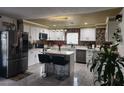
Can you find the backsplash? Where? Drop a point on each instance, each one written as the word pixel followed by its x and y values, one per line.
pixel 53 42
pixel 100 36
pixel 87 43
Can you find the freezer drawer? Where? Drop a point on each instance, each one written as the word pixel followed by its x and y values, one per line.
pixel 12 69
pixel 23 65
pixel 16 66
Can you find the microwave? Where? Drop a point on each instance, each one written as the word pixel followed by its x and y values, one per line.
pixel 43 36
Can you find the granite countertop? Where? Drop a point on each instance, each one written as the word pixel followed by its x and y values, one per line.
pixel 81 48
pixel 60 52
pixel 87 49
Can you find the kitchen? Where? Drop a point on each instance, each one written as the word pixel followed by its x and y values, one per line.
pixel 75 37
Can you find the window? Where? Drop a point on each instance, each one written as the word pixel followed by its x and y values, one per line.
pixel 72 38
pixel 88 34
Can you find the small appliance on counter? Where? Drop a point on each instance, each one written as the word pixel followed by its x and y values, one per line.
pixel 39 45
pixel 42 36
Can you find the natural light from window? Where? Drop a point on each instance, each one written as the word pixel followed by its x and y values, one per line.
pixel 72 38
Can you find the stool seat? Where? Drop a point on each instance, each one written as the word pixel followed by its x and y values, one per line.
pixel 44 58
pixel 60 64
pixel 59 60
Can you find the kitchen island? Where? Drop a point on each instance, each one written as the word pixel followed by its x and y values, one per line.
pixel 68 55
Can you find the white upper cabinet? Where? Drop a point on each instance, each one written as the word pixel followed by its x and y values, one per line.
pixel 37 33
pixel 34 31
pixel 26 28
pixel 52 35
pixel 56 35
pixel 60 35
pixel 88 34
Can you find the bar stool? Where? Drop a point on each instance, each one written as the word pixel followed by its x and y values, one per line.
pixel 59 67
pixel 45 60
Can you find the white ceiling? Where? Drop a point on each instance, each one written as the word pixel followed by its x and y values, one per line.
pixel 42 12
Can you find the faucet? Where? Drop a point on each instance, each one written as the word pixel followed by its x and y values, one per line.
pixel 72 46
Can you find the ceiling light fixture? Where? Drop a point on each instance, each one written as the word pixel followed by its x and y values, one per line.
pixel 54 25
pixel 59 18
pixel 64 30
pixel 85 23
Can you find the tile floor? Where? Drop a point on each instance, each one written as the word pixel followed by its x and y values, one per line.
pixel 82 77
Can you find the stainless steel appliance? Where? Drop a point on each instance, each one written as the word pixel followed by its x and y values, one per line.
pixel 13 53
pixel 43 36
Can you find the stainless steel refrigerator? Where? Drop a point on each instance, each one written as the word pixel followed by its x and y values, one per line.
pixel 13 53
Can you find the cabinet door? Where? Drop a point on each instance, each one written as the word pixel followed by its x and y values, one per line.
pixel 89 55
pixel 36 58
pixel 52 35
pixel 112 26
pixel 33 35
pixel 26 28
pixel 81 56
pixel 37 33
pixel 57 35
pixel 31 58
pixel 61 35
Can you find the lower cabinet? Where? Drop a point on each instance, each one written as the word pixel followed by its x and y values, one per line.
pixel 33 56
pixel 84 56
pixel 89 56
pixel 80 56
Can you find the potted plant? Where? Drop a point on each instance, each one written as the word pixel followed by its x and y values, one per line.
pixel 108 65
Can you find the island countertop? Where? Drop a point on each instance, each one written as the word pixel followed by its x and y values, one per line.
pixel 60 52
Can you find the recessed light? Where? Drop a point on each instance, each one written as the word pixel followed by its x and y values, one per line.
pixel 54 25
pixel 85 23
pixel 65 30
